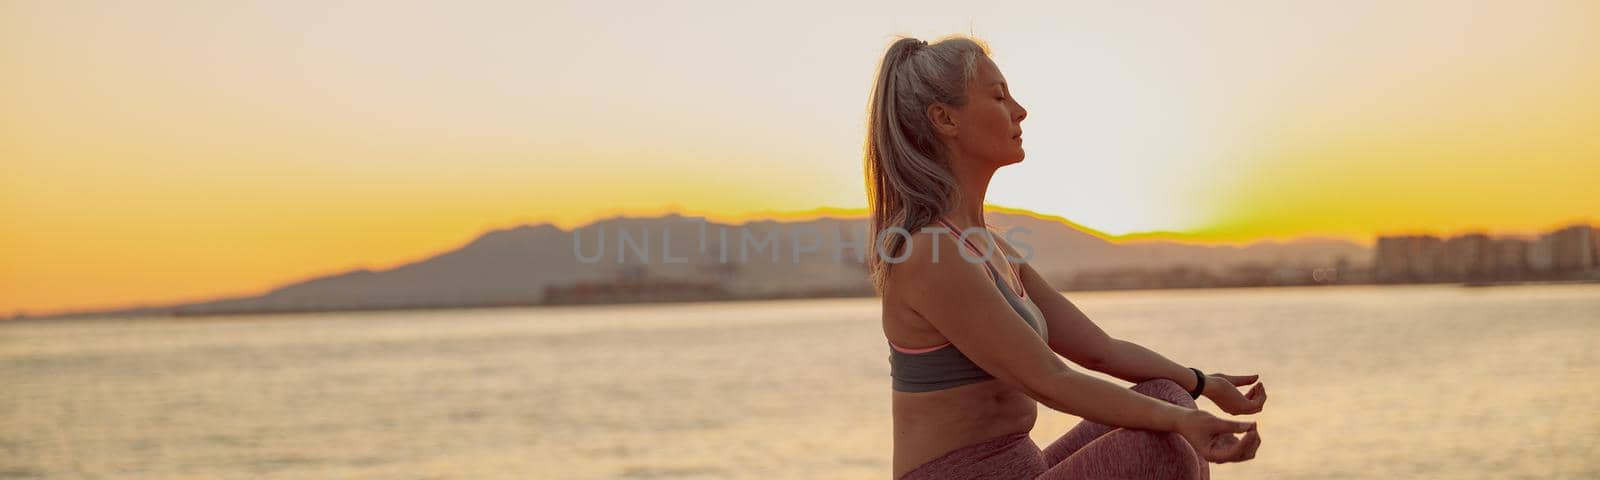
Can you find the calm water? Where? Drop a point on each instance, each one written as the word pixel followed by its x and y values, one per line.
pixel 1396 382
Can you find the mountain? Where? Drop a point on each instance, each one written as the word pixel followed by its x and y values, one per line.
pixel 677 257
pixel 1062 251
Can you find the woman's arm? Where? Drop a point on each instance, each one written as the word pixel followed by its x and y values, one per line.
pixel 960 300
pixel 1074 336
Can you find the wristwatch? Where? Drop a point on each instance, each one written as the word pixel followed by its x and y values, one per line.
pixel 1199 383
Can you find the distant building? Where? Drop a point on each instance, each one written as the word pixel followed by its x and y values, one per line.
pixel 1570 253
pixel 1467 257
pixel 1572 248
pixel 1594 245
pixel 1409 258
pixel 1541 255
pixel 1509 258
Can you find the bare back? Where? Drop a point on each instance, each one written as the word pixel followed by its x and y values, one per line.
pixel 930 424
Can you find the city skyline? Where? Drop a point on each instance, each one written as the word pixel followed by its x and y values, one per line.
pixel 637 266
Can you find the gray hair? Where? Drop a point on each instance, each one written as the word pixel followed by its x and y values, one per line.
pixel 909 180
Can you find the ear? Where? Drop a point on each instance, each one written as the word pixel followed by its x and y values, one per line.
pixel 943 118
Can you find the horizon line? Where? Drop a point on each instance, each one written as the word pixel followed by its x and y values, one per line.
pixel 743 218
pixel 815 214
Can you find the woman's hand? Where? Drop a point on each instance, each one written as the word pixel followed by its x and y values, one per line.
pixel 1223 390
pixel 1213 437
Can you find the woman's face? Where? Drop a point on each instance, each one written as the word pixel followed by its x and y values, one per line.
pixel 988 128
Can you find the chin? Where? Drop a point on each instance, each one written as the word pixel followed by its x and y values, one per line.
pixel 1008 158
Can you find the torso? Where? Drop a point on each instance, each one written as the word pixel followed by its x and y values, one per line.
pixel 930 424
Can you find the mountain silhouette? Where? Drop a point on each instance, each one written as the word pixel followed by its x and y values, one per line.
pixel 526 264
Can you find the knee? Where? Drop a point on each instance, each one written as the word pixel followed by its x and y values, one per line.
pixel 1165 389
pixel 1163 455
pixel 1179 458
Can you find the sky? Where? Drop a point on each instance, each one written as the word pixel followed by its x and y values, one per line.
pixel 155 152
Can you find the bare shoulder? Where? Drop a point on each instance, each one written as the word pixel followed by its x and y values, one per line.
pixel 959 299
pixel 928 262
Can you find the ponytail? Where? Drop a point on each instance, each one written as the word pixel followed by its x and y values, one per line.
pixel 908 175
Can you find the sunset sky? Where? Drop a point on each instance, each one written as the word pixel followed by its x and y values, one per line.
pixel 153 152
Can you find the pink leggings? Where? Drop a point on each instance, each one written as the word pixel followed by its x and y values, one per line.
pixel 1088 451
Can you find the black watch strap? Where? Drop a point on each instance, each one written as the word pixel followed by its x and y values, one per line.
pixel 1199 383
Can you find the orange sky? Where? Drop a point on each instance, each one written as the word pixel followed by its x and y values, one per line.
pixel 169 151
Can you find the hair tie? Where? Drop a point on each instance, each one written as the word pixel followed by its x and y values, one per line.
pixel 916 46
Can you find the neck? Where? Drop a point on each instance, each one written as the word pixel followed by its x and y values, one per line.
pixel 972 182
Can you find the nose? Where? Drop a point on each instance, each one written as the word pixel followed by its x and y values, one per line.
pixel 1022 113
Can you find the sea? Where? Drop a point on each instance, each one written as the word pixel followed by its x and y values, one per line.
pixel 1390 382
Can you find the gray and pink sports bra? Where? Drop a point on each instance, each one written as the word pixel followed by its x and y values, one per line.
pixel 943 366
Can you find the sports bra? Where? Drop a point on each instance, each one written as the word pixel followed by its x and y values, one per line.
pixel 943 366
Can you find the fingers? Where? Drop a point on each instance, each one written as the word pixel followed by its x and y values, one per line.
pixel 1240 380
pixel 1240 427
pixel 1251 442
pixel 1257 396
pixel 1254 400
pixel 1215 439
pixel 1226 448
pixel 1220 450
pixel 1235 403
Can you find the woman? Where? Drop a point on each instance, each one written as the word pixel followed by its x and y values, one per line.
pixel 974 342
